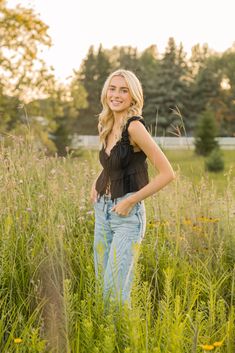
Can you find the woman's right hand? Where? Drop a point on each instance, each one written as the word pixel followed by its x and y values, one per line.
pixel 93 195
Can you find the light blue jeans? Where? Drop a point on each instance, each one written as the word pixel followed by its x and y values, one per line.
pixel 116 244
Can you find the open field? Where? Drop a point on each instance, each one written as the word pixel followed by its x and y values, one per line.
pixel 183 300
pixel 192 166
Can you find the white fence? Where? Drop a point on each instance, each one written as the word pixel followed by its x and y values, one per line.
pixel 92 142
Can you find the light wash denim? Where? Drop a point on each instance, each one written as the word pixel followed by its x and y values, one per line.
pixel 116 244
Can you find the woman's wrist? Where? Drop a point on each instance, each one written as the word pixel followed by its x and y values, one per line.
pixel 132 200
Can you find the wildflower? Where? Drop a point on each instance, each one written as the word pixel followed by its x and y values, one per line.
pixel 208 220
pixel 213 220
pixel 17 340
pixel 207 347
pixel 153 224
pixel 218 344
pixel 196 227
pixel 201 219
pixel 164 223
pixel 187 221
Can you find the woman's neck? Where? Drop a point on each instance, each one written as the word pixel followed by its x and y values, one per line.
pixel 118 120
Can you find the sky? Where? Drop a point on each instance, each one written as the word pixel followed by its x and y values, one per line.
pixel 75 25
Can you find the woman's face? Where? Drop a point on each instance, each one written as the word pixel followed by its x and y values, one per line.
pixel 118 95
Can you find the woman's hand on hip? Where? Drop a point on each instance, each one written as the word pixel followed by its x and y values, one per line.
pixel 123 208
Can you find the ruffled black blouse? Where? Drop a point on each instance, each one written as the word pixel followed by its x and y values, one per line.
pixel 123 170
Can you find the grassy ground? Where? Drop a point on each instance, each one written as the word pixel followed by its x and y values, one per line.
pixel 193 167
pixel 183 297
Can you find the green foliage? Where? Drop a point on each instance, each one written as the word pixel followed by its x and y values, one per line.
pixel 170 82
pixel 92 75
pixel 22 71
pixel 9 111
pixel 215 162
pixel 206 131
pixel 170 88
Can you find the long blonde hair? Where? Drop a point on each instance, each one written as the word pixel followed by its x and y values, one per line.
pixel 106 118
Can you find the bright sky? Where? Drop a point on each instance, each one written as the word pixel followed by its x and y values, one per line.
pixel 77 24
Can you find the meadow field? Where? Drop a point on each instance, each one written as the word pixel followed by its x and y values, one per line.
pixel 183 298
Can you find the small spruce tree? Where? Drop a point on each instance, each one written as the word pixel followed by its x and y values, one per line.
pixel 214 162
pixel 206 131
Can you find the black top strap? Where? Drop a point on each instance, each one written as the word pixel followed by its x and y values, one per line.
pixel 125 134
pixel 133 118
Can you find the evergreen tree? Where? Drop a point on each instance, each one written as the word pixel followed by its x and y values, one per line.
pixel 208 92
pixel 124 57
pixel 149 69
pixel 171 88
pixel 199 56
pixel 128 59
pixel 215 162
pixel 92 75
pixel 67 120
pixel 228 92
pixel 206 84
pixel 206 131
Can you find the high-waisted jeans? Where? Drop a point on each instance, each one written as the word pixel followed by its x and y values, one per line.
pixel 116 245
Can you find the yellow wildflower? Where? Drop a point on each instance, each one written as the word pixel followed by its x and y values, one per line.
pixel 214 220
pixel 187 221
pixel 201 219
pixel 207 347
pixel 218 344
pixel 18 340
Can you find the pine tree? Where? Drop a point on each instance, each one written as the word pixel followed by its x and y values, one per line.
pixel 215 162
pixel 149 69
pixel 171 89
pixel 205 139
pixel 92 75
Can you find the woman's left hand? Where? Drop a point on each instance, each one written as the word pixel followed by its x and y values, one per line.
pixel 123 207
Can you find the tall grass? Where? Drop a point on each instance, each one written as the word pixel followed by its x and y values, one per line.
pixel 183 295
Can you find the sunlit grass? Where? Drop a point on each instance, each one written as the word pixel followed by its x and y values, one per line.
pixel 183 295
pixel 192 166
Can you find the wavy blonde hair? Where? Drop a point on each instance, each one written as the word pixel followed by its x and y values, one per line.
pixel 106 117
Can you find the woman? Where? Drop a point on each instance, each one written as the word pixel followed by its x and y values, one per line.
pixel 123 184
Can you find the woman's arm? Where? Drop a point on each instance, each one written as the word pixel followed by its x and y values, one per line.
pixel 164 172
pixel 93 193
pixel 140 137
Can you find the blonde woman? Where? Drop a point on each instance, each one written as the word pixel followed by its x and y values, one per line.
pixel 118 192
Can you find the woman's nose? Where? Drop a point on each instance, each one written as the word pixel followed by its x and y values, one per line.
pixel 116 93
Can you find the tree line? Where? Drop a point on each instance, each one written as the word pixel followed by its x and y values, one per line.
pixel 178 88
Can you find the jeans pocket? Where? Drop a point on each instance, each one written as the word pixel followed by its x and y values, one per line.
pixel 135 209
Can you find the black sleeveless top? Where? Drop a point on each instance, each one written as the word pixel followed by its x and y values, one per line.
pixel 123 170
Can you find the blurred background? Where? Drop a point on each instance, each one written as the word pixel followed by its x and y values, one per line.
pixel 55 57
